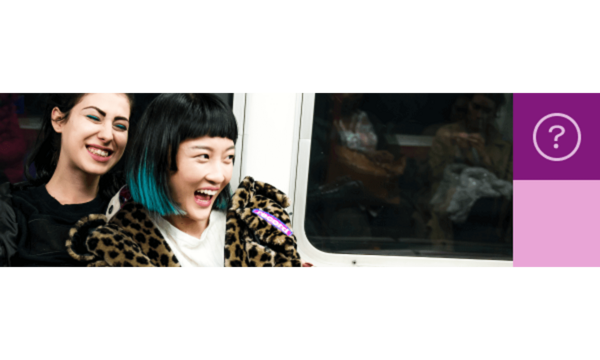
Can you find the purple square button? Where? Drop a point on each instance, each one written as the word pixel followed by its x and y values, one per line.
pixel 555 136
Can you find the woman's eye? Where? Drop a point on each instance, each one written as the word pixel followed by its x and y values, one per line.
pixel 231 157
pixel 122 127
pixel 95 118
pixel 202 156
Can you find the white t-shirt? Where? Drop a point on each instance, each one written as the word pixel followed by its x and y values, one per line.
pixel 209 250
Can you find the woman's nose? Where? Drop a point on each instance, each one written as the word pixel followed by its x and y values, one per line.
pixel 216 174
pixel 105 134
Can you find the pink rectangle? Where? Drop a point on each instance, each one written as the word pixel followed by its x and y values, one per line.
pixel 556 223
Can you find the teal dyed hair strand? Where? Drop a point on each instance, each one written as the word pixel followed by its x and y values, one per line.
pixel 145 190
pixel 221 203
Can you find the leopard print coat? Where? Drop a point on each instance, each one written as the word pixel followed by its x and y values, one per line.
pixel 130 238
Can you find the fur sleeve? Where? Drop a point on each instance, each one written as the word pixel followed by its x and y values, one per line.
pixel 259 229
pixel 102 244
pixel 128 239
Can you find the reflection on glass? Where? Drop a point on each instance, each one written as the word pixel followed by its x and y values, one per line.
pixel 412 174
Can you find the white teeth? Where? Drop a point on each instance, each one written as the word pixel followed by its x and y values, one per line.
pixel 208 192
pixel 97 151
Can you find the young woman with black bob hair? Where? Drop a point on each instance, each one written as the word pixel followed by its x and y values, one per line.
pixel 83 137
pixel 179 210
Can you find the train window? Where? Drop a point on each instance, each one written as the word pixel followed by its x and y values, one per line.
pixel 20 122
pixel 425 175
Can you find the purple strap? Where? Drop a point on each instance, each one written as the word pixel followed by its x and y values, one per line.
pixel 278 224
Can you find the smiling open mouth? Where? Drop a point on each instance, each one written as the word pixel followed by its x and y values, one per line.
pixel 204 197
pixel 99 152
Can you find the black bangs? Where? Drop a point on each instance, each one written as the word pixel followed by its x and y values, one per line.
pixel 197 115
pixel 205 115
pixel 169 120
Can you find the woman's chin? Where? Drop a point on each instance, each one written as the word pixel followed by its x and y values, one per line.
pixel 197 213
pixel 94 167
pixel 97 169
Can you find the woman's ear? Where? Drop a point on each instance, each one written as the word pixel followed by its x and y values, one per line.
pixel 57 117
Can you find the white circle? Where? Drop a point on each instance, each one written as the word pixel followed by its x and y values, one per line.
pixel 540 123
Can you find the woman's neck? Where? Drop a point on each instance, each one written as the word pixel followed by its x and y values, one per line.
pixel 189 226
pixel 72 186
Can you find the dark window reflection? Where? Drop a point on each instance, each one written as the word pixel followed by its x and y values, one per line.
pixel 20 122
pixel 412 174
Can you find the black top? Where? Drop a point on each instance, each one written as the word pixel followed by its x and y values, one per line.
pixel 44 224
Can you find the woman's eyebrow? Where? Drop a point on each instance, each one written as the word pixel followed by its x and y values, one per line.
pixel 104 114
pixel 209 148
pixel 98 110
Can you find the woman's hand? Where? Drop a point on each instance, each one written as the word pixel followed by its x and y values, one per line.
pixel 306 264
pixel 461 140
pixel 477 141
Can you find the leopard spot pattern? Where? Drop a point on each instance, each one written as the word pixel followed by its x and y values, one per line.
pixel 130 239
pixel 249 239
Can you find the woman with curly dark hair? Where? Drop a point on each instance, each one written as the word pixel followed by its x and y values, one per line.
pixel 83 137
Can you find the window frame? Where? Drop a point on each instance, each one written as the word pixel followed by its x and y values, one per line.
pixel 239 111
pixel 320 258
